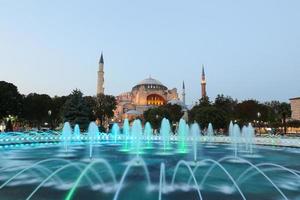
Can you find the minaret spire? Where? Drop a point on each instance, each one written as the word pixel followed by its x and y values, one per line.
pixel 203 83
pixel 183 92
pixel 101 58
pixel 100 82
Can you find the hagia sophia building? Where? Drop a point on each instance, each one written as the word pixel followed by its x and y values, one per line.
pixel 145 94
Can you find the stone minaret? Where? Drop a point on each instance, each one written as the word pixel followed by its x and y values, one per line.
pixel 100 82
pixel 183 93
pixel 203 83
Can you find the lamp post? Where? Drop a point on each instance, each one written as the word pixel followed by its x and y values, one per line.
pixel 50 122
pixel 258 121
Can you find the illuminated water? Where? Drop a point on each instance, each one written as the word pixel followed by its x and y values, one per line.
pixel 130 164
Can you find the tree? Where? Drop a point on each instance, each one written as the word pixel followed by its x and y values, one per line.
pixel 227 107
pixel 36 107
pixel 247 111
pixel 174 112
pixel 104 107
pixel 9 126
pixel 219 113
pixel 284 113
pixel 278 113
pixel 227 104
pixel 203 103
pixel 155 115
pixel 57 110
pixel 273 112
pixel 294 123
pixel 76 110
pixel 210 114
pixel 10 100
pixel 91 103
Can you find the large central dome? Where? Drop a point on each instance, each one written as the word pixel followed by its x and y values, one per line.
pixel 143 95
pixel 150 81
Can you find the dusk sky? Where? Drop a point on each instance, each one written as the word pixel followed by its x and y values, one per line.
pixel 250 49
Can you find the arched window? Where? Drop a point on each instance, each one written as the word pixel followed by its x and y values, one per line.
pixel 155 99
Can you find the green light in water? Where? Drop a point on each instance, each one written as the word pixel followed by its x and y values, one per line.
pixel 77 182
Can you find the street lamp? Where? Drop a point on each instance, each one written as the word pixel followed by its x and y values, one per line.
pixel 258 116
pixel 49 114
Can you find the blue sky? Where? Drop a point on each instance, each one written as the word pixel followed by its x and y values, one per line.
pixel 250 49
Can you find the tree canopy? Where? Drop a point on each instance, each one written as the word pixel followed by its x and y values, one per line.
pixel 36 107
pixel 207 112
pixel 224 109
pixel 76 110
pixel 57 110
pixel 155 115
pixel 10 100
pixel 104 106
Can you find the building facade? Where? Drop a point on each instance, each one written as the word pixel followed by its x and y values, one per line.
pixel 144 95
pixel 295 107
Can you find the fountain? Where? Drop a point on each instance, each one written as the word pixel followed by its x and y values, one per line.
pixel 136 132
pixel 210 133
pixel 115 131
pixel 235 139
pixel 195 130
pixel 182 134
pixel 66 135
pixel 126 129
pixel 32 165
pixel 165 132
pixel 230 129
pixel 76 134
pixel 148 132
pixel 126 134
pixel 249 137
pixel 93 134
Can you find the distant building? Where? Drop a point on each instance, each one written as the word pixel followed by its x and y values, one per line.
pixel 144 95
pixel 295 106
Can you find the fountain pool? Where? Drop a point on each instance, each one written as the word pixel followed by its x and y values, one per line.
pixel 126 166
